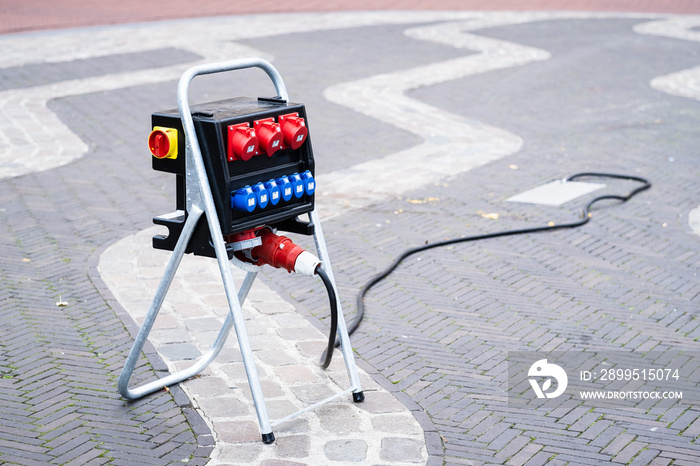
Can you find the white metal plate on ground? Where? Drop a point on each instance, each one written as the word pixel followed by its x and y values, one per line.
pixel 555 193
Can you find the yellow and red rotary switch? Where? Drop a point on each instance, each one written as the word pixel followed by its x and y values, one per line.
pixel 270 135
pixel 294 130
pixel 163 142
pixel 242 142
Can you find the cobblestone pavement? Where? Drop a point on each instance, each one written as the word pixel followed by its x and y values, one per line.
pixel 287 348
pixel 464 110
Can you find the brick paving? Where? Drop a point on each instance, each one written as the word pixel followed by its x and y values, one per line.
pixel 59 363
pixel 286 347
pixel 437 330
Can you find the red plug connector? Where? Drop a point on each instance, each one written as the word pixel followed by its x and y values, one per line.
pixel 281 252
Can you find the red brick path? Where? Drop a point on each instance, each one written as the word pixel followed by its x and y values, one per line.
pixel 30 15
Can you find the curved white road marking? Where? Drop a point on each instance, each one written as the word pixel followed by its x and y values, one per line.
pixel 684 83
pixel 195 35
pixel 452 144
pixel 694 220
pixel 33 138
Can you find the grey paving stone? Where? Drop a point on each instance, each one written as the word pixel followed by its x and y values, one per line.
pixel 299 334
pixel 400 450
pixel 180 351
pixel 223 407
pixel 269 388
pixel 213 386
pixel 296 446
pixel 295 374
pixel 275 357
pixel 311 393
pixel 339 419
pixel 349 450
pixel 246 454
pixel 280 463
pixel 238 431
pixel 380 403
pixel 392 423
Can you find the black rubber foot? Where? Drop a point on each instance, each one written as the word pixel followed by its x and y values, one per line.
pixel 358 397
pixel 268 438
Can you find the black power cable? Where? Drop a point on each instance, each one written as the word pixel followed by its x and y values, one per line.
pixel 328 354
pixel 585 217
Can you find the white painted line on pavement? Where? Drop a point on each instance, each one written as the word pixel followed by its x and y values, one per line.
pixel 32 138
pixel 452 144
pixel 684 83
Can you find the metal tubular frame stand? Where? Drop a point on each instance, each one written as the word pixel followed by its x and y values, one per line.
pixel 200 202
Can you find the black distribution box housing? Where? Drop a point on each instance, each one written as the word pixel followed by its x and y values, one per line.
pixel 212 123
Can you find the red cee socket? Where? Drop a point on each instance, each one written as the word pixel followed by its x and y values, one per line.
pixel 270 135
pixel 294 130
pixel 242 142
pixel 277 251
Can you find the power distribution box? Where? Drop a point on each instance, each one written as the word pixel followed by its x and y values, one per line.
pixel 259 163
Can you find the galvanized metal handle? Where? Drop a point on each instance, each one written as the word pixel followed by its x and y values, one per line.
pixel 231 65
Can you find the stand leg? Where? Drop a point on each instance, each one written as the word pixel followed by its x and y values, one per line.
pixel 204 361
pixel 165 282
pixel 236 315
pixel 345 347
